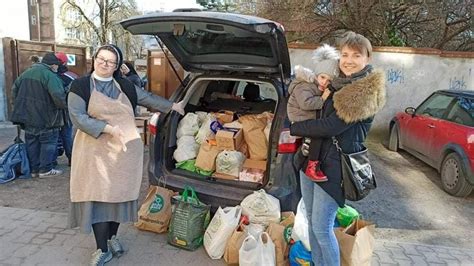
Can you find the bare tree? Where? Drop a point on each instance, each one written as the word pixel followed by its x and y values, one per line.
pixel 436 24
pixel 98 21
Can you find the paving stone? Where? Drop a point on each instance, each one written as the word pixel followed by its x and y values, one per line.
pixel 54 230
pixel 410 250
pixel 69 232
pixel 26 251
pixel 46 236
pixel 26 237
pixel 423 249
pixel 402 262
pixel 13 261
pixel 398 254
pixel 385 257
pixel 39 241
pixel 57 240
pixel 418 260
pixel 431 257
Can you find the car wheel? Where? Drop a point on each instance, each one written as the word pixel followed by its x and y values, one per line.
pixel 393 139
pixel 453 176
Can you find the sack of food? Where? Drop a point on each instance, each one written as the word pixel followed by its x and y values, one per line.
pixel 254 135
pixel 261 207
pixel 187 149
pixel 155 213
pixel 220 230
pixel 229 163
pixel 188 126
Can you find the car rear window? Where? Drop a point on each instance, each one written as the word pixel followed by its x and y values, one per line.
pixel 201 42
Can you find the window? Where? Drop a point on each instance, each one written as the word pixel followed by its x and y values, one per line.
pixel 208 41
pixel 435 106
pixel 72 33
pixel 462 112
pixel 265 91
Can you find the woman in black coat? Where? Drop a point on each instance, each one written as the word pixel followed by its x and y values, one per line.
pixel 129 72
pixel 358 94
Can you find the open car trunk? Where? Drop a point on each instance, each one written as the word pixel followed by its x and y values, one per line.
pixel 238 151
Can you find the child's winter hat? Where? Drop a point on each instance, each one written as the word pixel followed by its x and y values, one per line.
pixel 325 59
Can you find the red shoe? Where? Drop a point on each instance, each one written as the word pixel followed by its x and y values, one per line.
pixel 313 172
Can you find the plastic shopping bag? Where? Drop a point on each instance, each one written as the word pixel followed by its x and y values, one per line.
pixel 188 221
pixel 261 208
pixel 220 230
pixel 300 229
pixel 188 126
pixel 257 252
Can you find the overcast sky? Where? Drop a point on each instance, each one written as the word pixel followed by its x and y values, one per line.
pixel 164 5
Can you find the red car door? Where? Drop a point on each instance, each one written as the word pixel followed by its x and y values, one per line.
pixel 421 128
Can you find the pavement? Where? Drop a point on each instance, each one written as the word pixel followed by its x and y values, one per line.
pixel 38 237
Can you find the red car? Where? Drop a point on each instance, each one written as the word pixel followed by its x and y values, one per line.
pixel 440 132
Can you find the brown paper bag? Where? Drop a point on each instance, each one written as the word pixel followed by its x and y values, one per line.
pixel 155 213
pixel 280 235
pixel 231 253
pixel 253 126
pixel 224 116
pixel 206 158
pixel 356 243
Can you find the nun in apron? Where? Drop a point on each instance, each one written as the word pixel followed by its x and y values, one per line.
pixel 106 171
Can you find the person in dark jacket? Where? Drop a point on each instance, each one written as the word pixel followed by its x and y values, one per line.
pixel 65 134
pixel 38 103
pixel 129 72
pixel 347 114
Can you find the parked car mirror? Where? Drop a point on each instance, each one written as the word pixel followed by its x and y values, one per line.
pixel 410 110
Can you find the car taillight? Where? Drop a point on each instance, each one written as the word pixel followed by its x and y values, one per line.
pixel 288 143
pixel 152 123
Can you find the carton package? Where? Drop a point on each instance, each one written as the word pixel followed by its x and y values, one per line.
pixel 229 139
pixel 253 171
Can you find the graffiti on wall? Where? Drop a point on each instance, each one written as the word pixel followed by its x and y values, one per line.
pixel 456 83
pixel 395 76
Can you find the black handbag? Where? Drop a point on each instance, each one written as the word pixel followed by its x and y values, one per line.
pixel 358 178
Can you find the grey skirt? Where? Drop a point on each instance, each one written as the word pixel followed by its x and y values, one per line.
pixel 84 214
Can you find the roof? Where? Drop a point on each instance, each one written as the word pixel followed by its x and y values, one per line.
pixel 467 93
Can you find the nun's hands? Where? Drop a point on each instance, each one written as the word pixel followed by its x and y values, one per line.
pixel 117 133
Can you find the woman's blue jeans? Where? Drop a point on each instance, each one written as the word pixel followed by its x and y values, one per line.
pixel 321 211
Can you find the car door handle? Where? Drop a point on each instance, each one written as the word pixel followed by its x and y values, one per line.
pixel 431 126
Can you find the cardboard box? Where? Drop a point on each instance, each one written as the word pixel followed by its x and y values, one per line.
pixel 253 171
pixel 229 139
pixel 224 176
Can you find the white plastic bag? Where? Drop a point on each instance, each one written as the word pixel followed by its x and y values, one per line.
pixel 187 149
pixel 188 126
pixel 257 252
pixel 300 228
pixel 261 208
pixel 220 230
pixel 230 162
pixel 205 131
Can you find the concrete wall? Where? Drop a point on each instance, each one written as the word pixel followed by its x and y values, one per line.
pixel 410 76
pixel 3 96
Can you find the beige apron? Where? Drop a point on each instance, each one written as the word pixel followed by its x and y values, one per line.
pixel 101 170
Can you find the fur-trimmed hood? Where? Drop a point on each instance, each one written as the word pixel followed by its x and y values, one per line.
pixel 361 99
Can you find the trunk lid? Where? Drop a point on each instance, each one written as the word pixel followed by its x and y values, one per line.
pixel 223 42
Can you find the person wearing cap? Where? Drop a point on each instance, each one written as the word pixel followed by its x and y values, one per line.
pixel 307 95
pixel 65 134
pixel 357 94
pixel 38 103
pixel 106 171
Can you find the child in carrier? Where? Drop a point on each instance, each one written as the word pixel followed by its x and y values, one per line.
pixel 307 94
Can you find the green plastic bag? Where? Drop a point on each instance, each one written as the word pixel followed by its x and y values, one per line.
pixel 189 220
pixel 345 216
pixel 187 165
